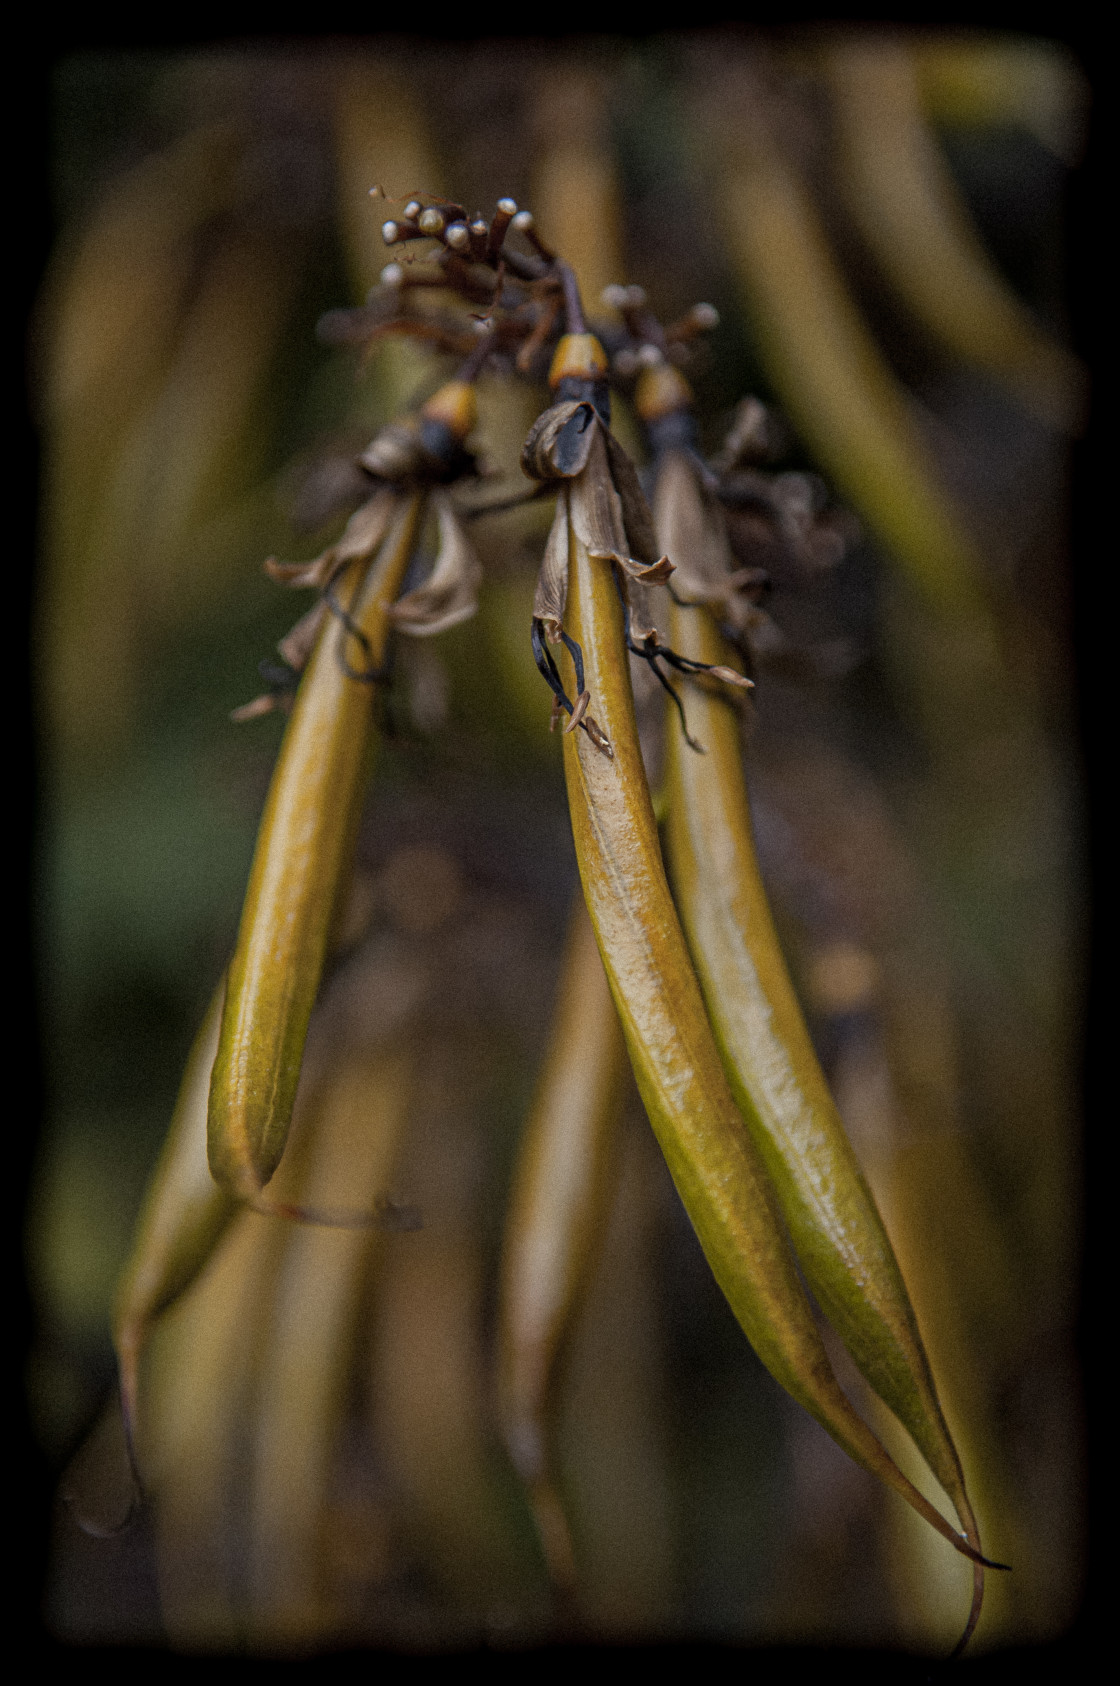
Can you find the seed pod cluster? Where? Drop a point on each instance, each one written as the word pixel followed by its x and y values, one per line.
pixel 688 978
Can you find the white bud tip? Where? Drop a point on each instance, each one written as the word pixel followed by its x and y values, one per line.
pixel 508 207
pixel 649 357
pixel 614 296
pixel 635 297
pixel 458 237
pixel 431 221
pixel 390 233
pixel 412 209
pixel 392 275
pixel 705 315
pixel 523 220
pixel 479 228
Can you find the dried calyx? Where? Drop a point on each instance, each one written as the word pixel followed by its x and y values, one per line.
pixel 744 519
pixel 425 452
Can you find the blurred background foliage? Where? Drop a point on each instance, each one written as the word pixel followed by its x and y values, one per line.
pixel 321 1439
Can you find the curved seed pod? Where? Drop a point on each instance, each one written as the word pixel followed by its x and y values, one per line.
pixel 970 81
pixel 832 378
pixel 303 848
pixel 714 1164
pixel 556 1211
pixel 201 1386
pixel 574 185
pixel 308 1351
pixel 185 1212
pixel 184 1216
pixel 835 1228
pixel 906 205
pixel 427 1392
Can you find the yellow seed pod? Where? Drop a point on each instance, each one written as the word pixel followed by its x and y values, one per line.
pixel 557 1208
pixel 184 1215
pixel 304 847
pixel 719 1175
pixel 901 194
pixel 310 1350
pixel 828 1208
pixel 832 378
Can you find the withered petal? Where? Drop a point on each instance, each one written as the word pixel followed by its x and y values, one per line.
pixel 360 538
pixel 655 573
pixel 595 505
pixel 551 595
pixel 450 593
pixel 641 538
pixel 301 574
pixel 692 525
pixel 297 645
pixel 260 705
pixel 559 441
pixel 581 706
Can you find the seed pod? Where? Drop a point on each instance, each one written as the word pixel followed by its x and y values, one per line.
pixel 832 379
pixel 184 1215
pixel 836 1231
pixel 557 1207
pixel 308 1357
pixel 902 197
pixel 303 849
pixel 717 1170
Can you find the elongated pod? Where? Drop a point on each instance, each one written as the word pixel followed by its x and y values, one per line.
pixel 716 1168
pixel 184 1215
pixel 557 1208
pixel 303 848
pixel 311 1349
pixel 835 1228
pixel 902 197
pixel 831 377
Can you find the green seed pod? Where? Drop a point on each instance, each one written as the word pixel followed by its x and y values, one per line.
pixel 832 1219
pixel 184 1215
pixel 303 850
pixel 717 1170
pixel 558 1205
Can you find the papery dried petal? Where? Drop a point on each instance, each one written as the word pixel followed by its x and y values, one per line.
pixel 552 582
pixel 266 703
pixel 297 645
pixel 363 533
pixel 560 441
pixel 450 593
pixel 641 540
